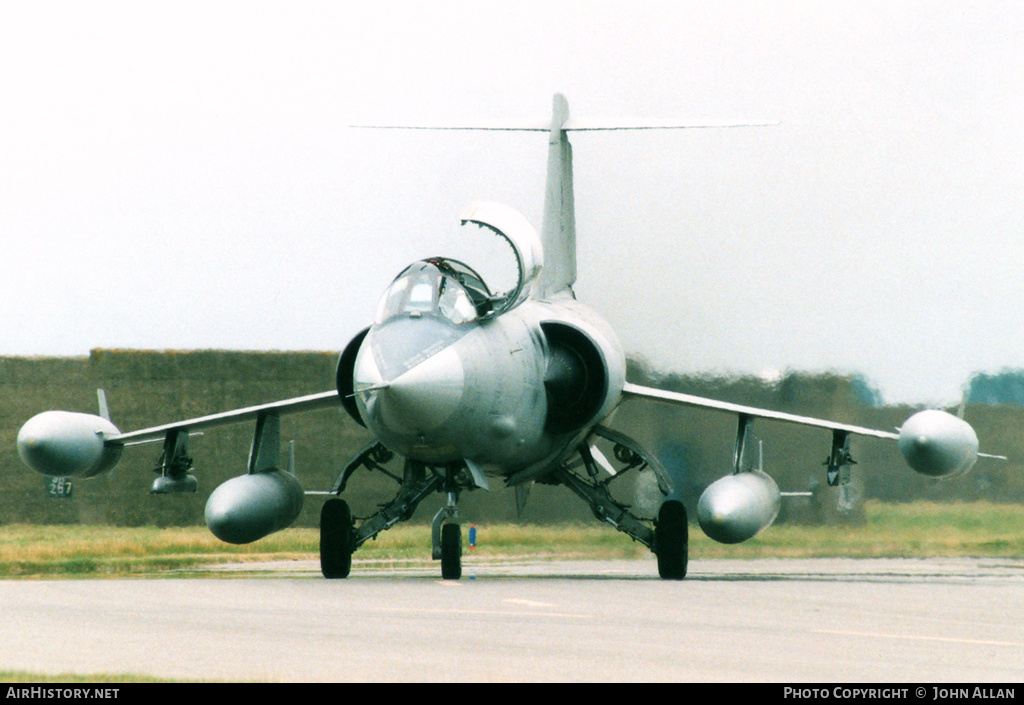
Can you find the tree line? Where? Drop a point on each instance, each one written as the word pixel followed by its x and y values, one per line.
pixel 147 388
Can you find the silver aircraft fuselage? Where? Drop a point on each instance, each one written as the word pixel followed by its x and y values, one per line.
pixel 478 391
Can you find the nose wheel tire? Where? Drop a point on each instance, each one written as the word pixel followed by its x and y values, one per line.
pixel 451 552
pixel 336 535
pixel 671 540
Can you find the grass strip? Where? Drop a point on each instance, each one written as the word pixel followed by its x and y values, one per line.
pixel 918 529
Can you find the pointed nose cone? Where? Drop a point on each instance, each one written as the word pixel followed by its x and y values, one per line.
pixel 422 398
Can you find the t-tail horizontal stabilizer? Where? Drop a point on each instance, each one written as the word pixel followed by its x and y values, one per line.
pixel 558 231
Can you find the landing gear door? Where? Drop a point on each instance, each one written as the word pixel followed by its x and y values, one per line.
pixel 509 224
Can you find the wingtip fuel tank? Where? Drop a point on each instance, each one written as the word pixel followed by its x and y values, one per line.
pixel 68 444
pixel 938 444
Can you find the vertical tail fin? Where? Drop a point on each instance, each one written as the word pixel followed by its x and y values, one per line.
pixel 558 231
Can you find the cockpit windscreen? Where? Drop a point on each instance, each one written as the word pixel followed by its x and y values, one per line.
pixel 436 287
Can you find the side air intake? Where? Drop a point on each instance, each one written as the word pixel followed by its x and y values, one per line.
pixel 576 380
pixel 346 385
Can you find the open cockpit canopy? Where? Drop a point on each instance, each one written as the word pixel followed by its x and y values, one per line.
pixel 439 287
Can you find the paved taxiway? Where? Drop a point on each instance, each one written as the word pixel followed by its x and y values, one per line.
pixel 910 621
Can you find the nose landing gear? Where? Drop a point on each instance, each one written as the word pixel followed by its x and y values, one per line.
pixel 451 551
pixel 446 535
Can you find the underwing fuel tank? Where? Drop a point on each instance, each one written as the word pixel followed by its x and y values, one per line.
pixel 68 444
pixel 737 507
pixel 249 507
pixel 938 444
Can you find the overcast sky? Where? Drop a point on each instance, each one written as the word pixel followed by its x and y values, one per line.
pixel 180 174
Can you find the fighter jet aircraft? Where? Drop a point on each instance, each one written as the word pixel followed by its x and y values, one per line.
pixel 461 385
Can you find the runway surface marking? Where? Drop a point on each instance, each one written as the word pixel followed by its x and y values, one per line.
pixel 529 603
pixel 492 613
pixel 911 637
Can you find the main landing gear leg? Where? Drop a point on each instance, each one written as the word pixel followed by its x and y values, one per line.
pixel 339 537
pixel 671 540
pixel 336 539
pixel 667 536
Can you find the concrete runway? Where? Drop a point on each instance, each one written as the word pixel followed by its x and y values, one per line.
pixel 781 621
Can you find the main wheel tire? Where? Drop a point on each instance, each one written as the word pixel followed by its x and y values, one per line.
pixel 671 540
pixel 451 552
pixel 336 533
